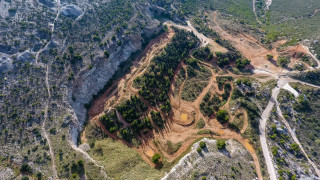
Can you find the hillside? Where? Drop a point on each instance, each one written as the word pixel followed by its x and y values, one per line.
pixel 126 89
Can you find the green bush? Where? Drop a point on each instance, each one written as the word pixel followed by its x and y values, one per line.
pixel 240 64
pixel 202 144
pixel 157 119
pixel 221 144
pixel 25 168
pixel 283 61
pixel 106 54
pixel 200 124
pixel 156 158
pixel 199 150
pixel 223 116
pixel 202 53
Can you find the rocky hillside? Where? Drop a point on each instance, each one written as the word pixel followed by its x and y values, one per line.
pixel 54 57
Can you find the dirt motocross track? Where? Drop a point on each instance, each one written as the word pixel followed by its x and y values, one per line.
pixel 180 127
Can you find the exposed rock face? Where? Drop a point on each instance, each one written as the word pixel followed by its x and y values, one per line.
pixel 212 163
pixel 6 173
pixel 91 82
pixel 25 56
pixel 71 10
pixel 5 62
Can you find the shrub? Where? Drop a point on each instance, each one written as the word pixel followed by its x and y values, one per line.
pixel 202 53
pixel 106 54
pixel 240 64
pixel 202 144
pixel 223 116
pixel 269 57
pixel 25 168
pixel 283 61
pixel 200 124
pixel 199 150
pixel 221 144
pixel 156 158
pixel 294 147
pixel 39 176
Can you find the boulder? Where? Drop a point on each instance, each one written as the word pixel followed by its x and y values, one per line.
pixel 71 10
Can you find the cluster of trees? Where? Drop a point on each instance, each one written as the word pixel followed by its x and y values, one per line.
pixel 192 62
pixel 225 59
pixel 126 134
pixel 301 104
pixel 223 116
pixel 245 81
pixel 202 145
pixel 240 64
pixel 209 106
pixel 221 80
pixel 203 53
pixel 234 127
pixel 203 28
pixel 133 111
pixel 227 90
pixel 283 61
pixel 78 168
pixel 253 113
pixel 140 124
pixel 236 93
pixel 110 121
pixel 157 119
pixel 155 83
pixel 71 56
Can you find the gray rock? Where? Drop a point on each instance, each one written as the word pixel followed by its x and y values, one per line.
pixel 71 10
pixel 5 63
pixel 26 56
pixel 6 173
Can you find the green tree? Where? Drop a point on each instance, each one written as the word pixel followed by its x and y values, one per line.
pixel 202 144
pixel 25 168
pixel 269 57
pixel 221 144
pixel 156 158
pixel 223 116
pixel 283 61
pixel 106 54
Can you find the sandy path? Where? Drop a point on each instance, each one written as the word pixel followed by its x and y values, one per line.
pixel 52 31
pixel 245 124
pixel 46 117
pixel 254 11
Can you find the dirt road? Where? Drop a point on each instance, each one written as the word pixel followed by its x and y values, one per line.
pixel 282 84
pixel 205 41
pixel 292 133
pixel 263 139
pixel 254 11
